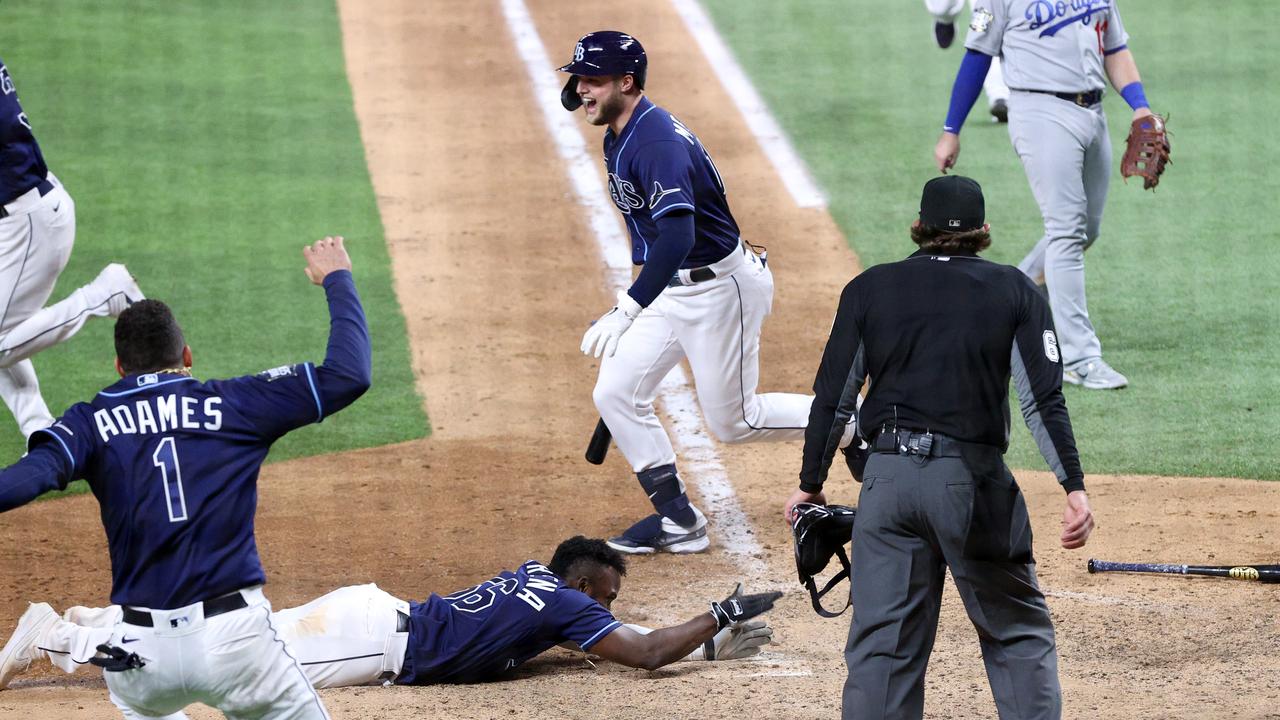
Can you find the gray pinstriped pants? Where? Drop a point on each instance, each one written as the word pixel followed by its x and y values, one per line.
pixel 913 517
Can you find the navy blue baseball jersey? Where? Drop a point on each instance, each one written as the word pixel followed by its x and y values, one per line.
pixel 480 633
pixel 174 461
pixel 21 164
pixel 656 166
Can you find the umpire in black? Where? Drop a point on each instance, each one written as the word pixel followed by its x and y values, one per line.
pixel 936 338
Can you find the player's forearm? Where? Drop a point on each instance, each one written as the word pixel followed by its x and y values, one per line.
pixel 32 476
pixel 1121 69
pixel 347 370
pixel 675 240
pixel 673 644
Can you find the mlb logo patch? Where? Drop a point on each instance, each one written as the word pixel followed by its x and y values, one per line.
pixel 148 379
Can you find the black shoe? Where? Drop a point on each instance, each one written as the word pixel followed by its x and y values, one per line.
pixel 944 33
pixel 1000 111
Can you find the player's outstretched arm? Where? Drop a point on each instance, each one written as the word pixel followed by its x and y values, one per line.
pixel 43 469
pixel 667 645
pixel 347 370
pixel 735 642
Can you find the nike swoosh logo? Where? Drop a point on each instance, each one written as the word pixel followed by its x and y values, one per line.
pixel 124 640
pixel 55 207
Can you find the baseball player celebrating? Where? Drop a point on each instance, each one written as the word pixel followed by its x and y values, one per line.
pixel 1057 58
pixel 174 464
pixel 361 634
pixel 944 14
pixel 702 292
pixel 37 230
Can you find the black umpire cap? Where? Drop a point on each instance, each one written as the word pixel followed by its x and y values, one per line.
pixel 952 203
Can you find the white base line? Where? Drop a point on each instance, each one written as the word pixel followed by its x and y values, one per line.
pixel 701 461
pixel 794 173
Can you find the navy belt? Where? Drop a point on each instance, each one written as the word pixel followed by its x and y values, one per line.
pixel 905 441
pixel 696 275
pixel 44 187
pixel 216 606
pixel 1083 99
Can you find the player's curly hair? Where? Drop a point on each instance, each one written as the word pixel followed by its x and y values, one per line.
pixel 148 338
pixel 579 549
pixel 943 242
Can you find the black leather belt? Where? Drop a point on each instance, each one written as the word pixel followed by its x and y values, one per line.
pixel 696 275
pixel 44 187
pixel 1083 99
pixel 905 441
pixel 216 606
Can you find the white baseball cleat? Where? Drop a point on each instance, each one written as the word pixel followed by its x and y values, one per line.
pixel 122 288
pixel 21 648
pixel 1094 375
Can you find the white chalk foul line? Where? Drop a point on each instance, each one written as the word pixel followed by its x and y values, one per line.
pixel 793 171
pixel 700 461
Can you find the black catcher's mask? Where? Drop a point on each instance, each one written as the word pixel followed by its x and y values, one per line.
pixel 821 531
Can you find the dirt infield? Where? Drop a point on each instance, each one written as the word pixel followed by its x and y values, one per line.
pixel 498 275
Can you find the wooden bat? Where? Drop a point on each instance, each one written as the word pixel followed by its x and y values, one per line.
pixel 599 445
pixel 1258 573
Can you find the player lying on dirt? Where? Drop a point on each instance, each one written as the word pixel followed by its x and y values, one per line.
pixel 360 634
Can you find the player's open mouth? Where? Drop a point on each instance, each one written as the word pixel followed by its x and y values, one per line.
pixel 589 104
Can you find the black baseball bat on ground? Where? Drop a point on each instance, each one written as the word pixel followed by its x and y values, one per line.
pixel 599 445
pixel 1259 573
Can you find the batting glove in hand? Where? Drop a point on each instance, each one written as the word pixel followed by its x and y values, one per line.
pixel 738 607
pixel 603 335
pixel 738 641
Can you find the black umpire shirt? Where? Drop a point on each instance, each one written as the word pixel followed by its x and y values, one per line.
pixel 940 336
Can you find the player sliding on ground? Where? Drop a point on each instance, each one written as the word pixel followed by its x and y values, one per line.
pixel 360 634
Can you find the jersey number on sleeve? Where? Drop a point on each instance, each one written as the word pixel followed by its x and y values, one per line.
pixel 166 458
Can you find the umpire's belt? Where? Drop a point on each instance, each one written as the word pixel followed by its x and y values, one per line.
pixel 216 606
pixel 1083 99
pixel 905 441
pixel 20 203
pixel 720 268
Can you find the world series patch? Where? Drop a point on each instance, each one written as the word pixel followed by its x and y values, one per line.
pixel 982 18
pixel 283 371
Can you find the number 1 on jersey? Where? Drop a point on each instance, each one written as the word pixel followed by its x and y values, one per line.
pixel 166 458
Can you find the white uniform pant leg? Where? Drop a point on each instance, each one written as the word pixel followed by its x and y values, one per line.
pixel 628 383
pixel 130 714
pixel 347 637
pixel 944 11
pixel 718 325
pixel 235 662
pixel 1051 137
pixel 70 642
pixel 26 326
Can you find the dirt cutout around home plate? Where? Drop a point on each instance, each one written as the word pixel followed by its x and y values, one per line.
pixel 498 276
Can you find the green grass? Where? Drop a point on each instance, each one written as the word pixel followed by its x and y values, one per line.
pixel 1183 284
pixel 204 144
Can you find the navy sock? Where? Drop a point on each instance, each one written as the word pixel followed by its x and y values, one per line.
pixel 662 485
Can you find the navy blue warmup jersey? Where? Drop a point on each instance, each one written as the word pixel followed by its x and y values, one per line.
pixel 21 164
pixel 656 166
pixel 482 632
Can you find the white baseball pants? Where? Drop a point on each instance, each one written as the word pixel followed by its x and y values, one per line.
pixel 35 243
pixel 236 662
pixel 347 637
pixel 716 325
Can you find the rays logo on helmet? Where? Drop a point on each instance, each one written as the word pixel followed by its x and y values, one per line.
pixel 578 52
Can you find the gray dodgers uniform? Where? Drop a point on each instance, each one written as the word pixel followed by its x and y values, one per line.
pixel 1058 47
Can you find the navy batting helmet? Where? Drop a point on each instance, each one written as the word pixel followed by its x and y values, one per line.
pixel 603 52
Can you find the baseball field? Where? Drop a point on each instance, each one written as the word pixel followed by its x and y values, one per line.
pixel 205 143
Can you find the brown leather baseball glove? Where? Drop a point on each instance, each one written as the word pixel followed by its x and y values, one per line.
pixel 1147 152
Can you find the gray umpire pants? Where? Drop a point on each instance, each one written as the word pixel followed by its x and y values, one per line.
pixel 1066 153
pixel 913 517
